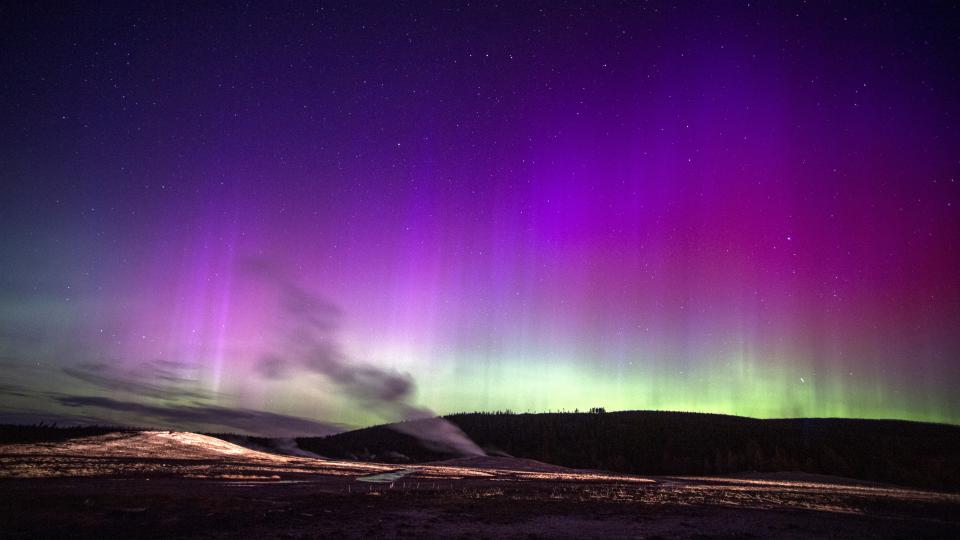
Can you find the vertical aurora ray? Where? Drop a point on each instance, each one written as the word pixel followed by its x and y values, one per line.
pixel 728 208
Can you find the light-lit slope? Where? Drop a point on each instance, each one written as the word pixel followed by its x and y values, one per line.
pixel 162 453
pixel 146 444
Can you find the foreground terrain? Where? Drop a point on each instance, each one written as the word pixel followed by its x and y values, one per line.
pixel 676 443
pixel 161 484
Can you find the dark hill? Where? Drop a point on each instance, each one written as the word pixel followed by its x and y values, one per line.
pixel 670 443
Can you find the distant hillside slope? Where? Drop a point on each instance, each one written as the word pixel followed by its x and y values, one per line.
pixel 668 443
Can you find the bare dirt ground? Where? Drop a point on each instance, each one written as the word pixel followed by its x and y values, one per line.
pixel 161 485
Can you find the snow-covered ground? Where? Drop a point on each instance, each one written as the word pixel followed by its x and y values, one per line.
pixel 191 455
pixel 160 483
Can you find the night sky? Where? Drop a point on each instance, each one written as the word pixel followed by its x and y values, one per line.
pixel 288 218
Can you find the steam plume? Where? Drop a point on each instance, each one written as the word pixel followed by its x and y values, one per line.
pixel 308 329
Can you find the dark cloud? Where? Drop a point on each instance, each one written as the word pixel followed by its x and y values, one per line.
pixel 26 417
pixel 272 367
pixel 14 390
pixel 158 379
pixel 308 327
pixel 207 417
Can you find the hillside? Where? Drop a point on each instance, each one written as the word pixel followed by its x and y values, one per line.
pixel 669 443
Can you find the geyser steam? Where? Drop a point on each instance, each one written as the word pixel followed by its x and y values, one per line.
pixel 308 341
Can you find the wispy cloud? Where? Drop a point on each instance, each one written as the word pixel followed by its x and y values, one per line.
pixel 14 390
pixel 157 379
pixel 206 417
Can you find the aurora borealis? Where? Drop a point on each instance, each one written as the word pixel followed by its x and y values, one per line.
pixel 748 208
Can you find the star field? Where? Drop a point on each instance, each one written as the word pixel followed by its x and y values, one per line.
pixel 736 207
